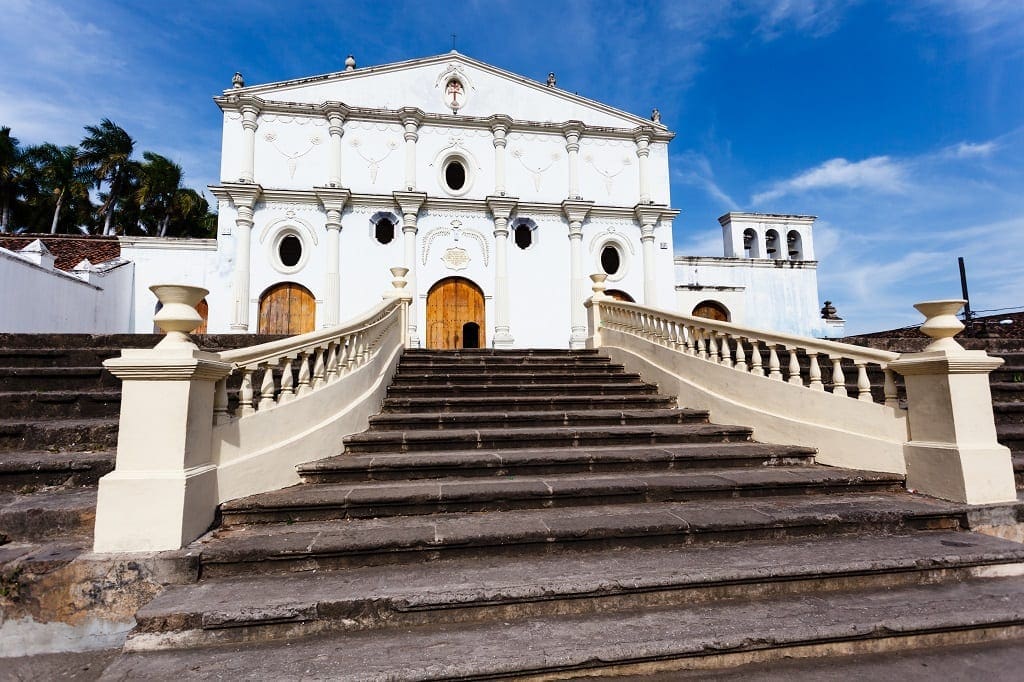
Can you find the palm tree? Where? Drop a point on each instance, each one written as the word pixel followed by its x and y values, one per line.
pixel 10 162
pixel 107 151
pixel 159 183
pixel 60 175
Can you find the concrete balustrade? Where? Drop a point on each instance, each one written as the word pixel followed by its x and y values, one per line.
pixel 947 448
pixel 182 450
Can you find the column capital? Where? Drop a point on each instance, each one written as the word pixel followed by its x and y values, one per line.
pixel 335 110
pixel 241 194
pixel 649 214
pixel 642 136
pixel 411 118
pixel 502 207
pixel 409 203
pixel 576 210
pixel 500 126
pixel 332 198
pixel 572 131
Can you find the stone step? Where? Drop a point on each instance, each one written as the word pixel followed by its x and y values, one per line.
pixel 549 437
pixel 1011 435
pixel 47 513
pixel 322 502
pixel 58 435
pixel 33 469
pixel 499 363
pixel 471 353
pixel 1009 373
pixel 474 590
pixel 349 468
pixel 55 378
pixel 1007 391
pixel 390 421
pixel 538 389
pixel 517 402
pixel 440 381
pixel 629 642
pixel 1018 469
pixel 1008 413
pixel 61 404
pixel 56 357
pixel 319 545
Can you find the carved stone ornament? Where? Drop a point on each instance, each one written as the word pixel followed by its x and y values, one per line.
pixel 372 163
pixel 455 258
pixel 292 157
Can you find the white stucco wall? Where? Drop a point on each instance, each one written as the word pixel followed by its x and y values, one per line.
pixel 35 299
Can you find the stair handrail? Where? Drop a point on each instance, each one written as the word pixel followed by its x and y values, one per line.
pixel 739 347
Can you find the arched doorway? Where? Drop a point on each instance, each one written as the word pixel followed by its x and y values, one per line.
pixel 712 310
pixel 287 308
pixel 455 315
pixel 619 295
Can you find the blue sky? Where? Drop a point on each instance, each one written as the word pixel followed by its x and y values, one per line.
pixel 901 125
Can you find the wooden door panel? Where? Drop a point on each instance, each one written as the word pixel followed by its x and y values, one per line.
pixel 287 308
pixel 451 303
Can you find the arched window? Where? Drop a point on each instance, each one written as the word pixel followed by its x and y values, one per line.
pixel 384 231
pixel 795 245
pixel 771 242
pixel 523 236
pixel 711 310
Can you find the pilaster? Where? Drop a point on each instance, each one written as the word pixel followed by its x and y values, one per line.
pixel 250 111
pixel 648 216
pixel 411 119
pixel 501 208
pixel 575 212
pixel 244 197
pixel 409 204
pixel 642 138
pixel 335 113
pixel 572 132
pixel 499 129
pixel 333 199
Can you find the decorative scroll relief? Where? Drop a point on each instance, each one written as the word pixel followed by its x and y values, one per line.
pixel 373 164
pixel 290 208
pixel 286 119
pixel 292 157
pixel 455 234
pixel 609 176
pixel 535 171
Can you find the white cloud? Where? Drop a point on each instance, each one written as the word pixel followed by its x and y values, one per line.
pixel 693 168
pixel 878 173
pixel 967 150
pixel 812 17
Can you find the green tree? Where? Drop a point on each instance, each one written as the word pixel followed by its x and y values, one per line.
pixel 107 151
pixel 159 183
pixel 62 180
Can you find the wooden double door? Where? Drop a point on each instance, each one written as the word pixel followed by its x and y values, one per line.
pixel 455 315
pixel 287 308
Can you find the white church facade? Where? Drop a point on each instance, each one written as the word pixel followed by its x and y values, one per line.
pixel 500 194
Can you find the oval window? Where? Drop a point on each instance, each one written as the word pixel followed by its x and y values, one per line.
pixel 384 231
pixel 455 175
pixel 524 236
pixel 290 250
pixel 610 259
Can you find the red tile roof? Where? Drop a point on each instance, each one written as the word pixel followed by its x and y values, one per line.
pixel 68 249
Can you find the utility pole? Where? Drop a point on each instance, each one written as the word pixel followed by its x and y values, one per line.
pixel 968 318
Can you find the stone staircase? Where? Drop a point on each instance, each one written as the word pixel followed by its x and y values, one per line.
pixel 545 514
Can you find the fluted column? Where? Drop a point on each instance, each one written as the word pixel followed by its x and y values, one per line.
pixel 335 114
pixel 409 204
pixel 643 151
pixel 243 196
pixel 333 200
pixel 572 146
pixel 501 209
pixel 576 212
pixel 499 129
pixel 411 118
pixel 250 112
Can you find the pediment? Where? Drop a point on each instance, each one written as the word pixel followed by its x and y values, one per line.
pixel 425 84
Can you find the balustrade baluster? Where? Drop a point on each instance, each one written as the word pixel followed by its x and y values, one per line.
pixel 838 378
pixel 688 340
pixel 332 362
pixel 245 395
pixel 794 368
pixel 814 373
pixel 774 371
pixel 318 368
pixel 755 358
pixel 220 401
pixel 863 383
pixel 303 387
pixel 889 388
pixel 725 350
pixel 267 387
pixel 713 354
pixel 741 355
pixel 287 382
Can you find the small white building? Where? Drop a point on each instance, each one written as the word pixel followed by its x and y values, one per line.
pixel 500 194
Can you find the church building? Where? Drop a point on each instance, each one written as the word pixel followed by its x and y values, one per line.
pixel 500 194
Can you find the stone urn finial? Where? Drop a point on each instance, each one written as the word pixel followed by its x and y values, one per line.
pixel 655 115
pixel 178 315
pixel 941 323
pixel 598 286
pixel 552 81
pixel 350 63
pixel 398 284
pixel 237 81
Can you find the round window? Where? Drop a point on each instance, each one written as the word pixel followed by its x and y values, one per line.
pixel 610 259
pixel 455 175
pixel 289 250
